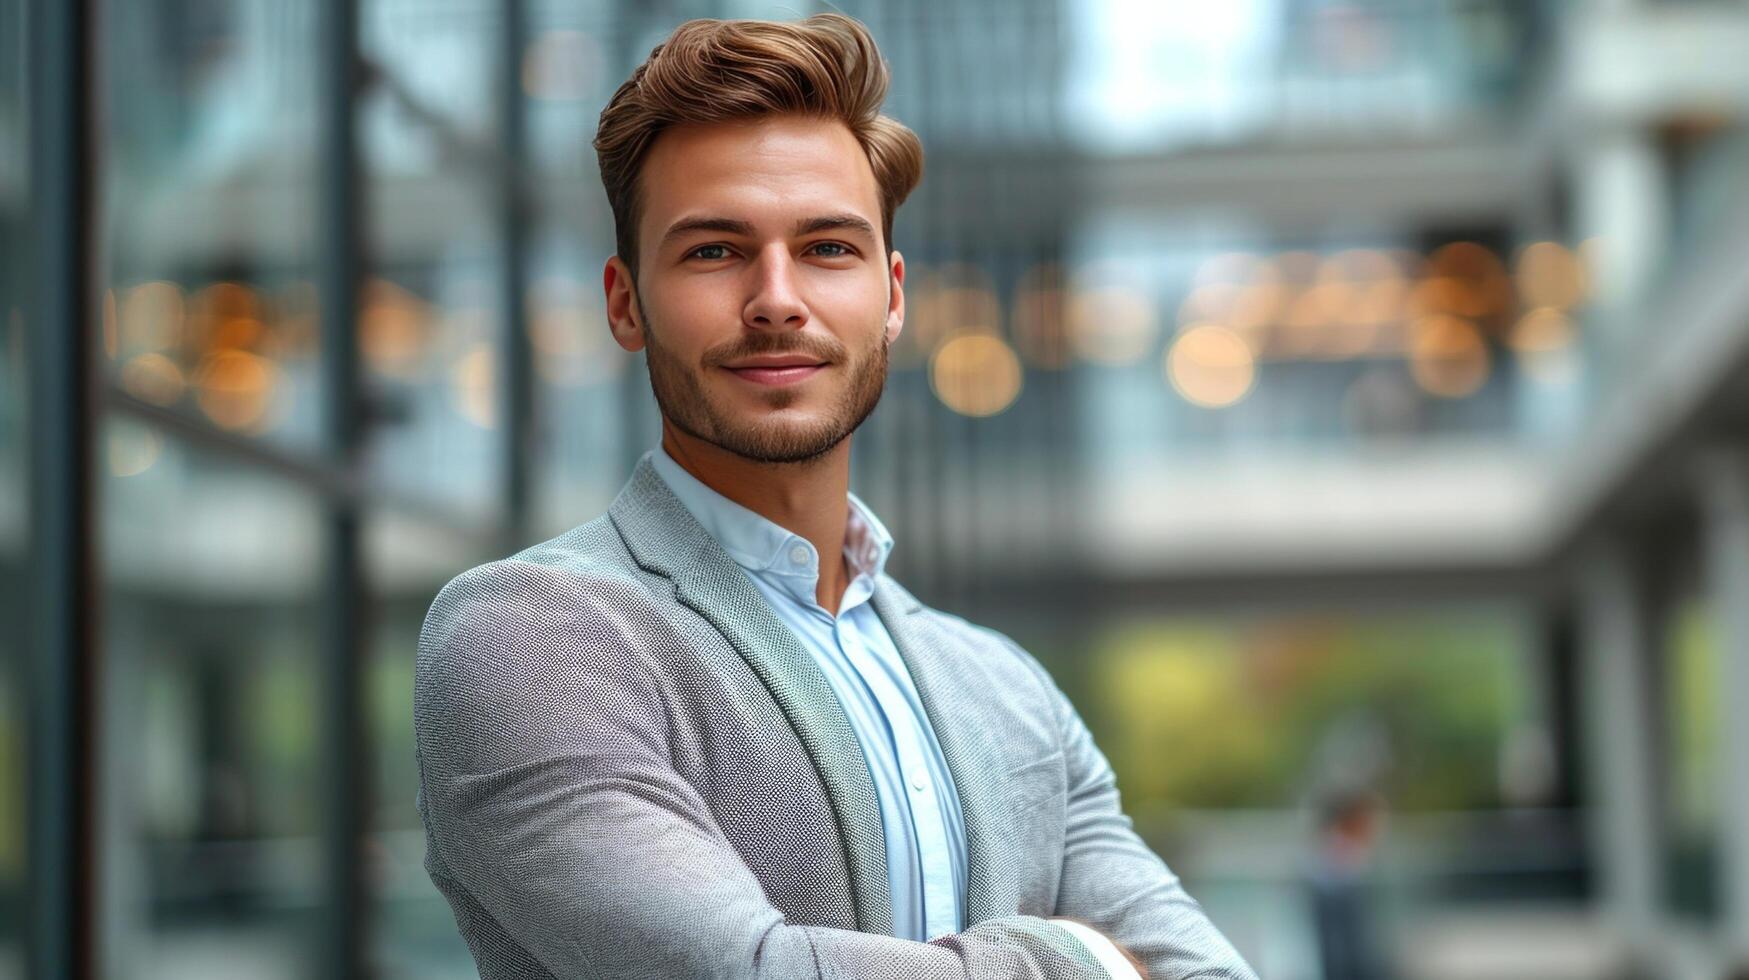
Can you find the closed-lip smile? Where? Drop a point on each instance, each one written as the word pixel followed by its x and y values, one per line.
pixel 776 369
pixel 775 361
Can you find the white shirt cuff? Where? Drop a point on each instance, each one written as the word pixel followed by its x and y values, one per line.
pixel 1103 950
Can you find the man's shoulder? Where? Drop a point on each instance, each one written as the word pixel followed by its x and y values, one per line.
pixel 583 570
pixel 990 646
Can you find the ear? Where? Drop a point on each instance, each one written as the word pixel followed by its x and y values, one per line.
pixel 624 319
pixel 895 296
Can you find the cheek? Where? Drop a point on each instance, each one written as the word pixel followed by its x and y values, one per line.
pixel 852 300
pixel 689 321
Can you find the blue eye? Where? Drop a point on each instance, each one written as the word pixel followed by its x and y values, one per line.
pixel 841 250
pixel 714 252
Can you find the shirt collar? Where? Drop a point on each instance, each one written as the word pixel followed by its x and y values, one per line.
pixel 763 546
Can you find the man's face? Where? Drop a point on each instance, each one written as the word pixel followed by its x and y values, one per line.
pixel 765 297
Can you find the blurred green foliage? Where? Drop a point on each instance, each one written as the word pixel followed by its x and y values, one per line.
pixel 1693 706
pixel 1212 714
pixel 1693 726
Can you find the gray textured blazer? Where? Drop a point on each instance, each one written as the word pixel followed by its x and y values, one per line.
pixel 630 768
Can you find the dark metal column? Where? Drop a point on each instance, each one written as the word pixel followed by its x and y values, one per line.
pixel 1562 702
pixel 62 771
pixel 63 662
pixel 342 758
pixel 516 398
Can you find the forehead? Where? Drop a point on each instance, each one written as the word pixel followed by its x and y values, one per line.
pixel 769 170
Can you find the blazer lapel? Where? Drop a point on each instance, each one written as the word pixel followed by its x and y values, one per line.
pixel 969 743
pixel 664 538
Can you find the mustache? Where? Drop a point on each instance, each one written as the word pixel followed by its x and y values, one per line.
pixel 821 348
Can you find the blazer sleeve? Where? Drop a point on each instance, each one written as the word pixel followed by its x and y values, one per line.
pixel 1114 881
pixel 549 795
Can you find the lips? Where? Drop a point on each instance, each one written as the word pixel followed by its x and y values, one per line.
pixel 776 367
pixel 779 374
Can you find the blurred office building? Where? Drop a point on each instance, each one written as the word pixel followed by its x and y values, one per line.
pixel 1337 395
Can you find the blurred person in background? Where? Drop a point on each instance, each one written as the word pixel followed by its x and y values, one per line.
pixel 1339 885
pixel 706 734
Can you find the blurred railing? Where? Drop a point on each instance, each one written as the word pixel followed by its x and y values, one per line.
pixel 1246 867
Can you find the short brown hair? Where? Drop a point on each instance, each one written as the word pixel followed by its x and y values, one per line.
pixel 721 70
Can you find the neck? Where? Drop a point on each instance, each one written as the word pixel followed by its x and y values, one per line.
pixel 811 499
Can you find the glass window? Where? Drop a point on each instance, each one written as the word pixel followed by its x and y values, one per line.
pixel 569 70
pixel 413 932
pixel 1144 75
pixel 211 781
pixel 430 330
pixel 210 212
pixel 596 414
pixel 593 409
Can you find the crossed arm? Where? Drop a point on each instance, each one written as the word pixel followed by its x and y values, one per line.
pixel 532 793
pixel 1114 882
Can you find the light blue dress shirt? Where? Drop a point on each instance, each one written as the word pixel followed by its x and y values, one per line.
pixel 920 810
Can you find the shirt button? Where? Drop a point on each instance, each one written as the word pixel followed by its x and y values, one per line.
pixel 799 554
pixel 917 783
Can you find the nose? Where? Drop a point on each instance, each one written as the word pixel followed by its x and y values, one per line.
pixel 776 300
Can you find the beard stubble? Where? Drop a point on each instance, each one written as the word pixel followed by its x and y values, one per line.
pixel 686 402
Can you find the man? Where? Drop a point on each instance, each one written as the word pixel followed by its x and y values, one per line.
pixel 1339 883
pixel 705 735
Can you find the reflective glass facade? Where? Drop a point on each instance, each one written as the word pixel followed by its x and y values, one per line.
pixel 1324 391
pixel 212 812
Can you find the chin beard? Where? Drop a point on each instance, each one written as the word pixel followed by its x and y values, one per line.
pixel 683 401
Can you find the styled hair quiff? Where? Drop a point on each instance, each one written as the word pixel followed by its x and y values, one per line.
pixel 722 70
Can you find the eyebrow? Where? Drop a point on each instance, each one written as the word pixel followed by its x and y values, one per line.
pixel 686 226
pixel 735 226
pixel 831 222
